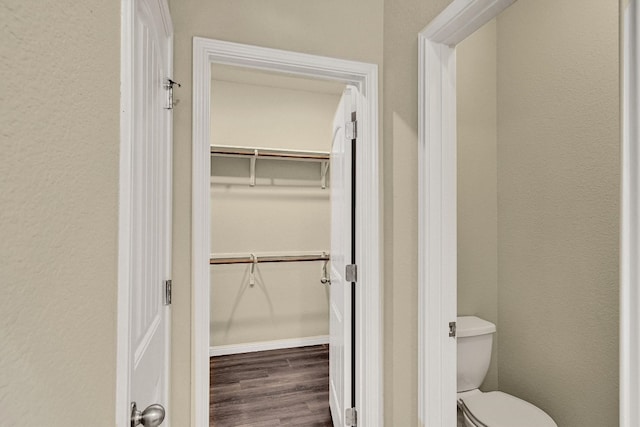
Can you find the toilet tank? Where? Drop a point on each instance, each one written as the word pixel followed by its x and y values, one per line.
pixel 474 340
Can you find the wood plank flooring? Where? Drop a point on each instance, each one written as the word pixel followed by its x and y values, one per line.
pixel 288 387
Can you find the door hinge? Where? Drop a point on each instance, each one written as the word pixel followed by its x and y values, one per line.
pixel 351 417
pixel 169 84
pixel 167 292
pixel 351 273
pixel 452 329
pixel 351 129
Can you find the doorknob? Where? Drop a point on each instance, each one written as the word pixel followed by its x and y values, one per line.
pixel 153 416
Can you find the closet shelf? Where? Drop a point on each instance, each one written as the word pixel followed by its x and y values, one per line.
pixel 269 153
pixel 277 154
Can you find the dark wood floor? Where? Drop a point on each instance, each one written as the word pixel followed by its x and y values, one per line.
pixel 288 387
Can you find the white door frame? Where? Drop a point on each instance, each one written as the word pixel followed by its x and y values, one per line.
pixel 437 236
pixel 127 118
pixel 437 203
pixel 629 216
pixel 369 304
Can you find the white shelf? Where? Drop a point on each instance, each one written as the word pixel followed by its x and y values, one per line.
pixel 253 154
pixel 269 153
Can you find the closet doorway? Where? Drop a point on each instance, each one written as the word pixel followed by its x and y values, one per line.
pixel 281 220
pixel 291 335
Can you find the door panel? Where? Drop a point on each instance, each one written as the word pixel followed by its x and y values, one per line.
pixel 150 208
pixel 340 317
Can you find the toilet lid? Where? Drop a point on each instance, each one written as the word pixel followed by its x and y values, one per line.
pixel 497 409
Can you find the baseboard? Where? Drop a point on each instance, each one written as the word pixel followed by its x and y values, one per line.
pixel 221 350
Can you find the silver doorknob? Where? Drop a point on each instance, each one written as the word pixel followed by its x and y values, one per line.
pixel 153 416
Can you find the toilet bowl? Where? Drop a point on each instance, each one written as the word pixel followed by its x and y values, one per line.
pixel 495 408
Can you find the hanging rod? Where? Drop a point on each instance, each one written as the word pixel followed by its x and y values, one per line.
pixel 273 153
pixel 268 258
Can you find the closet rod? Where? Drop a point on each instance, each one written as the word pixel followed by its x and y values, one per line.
pixel 258 259
pixel 269 152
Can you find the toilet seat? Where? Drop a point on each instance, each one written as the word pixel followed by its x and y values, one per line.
pixel 498 409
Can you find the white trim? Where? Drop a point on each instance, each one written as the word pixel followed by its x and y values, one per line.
pixel 437 253
pixel 630 217
pixel 223 350
pixel 165 15
pixel 168 27
pixel 369 302
pixel 461 19
pixel 124 215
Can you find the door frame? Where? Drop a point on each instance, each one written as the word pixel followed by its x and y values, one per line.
pixel 629 220
pixel 125 190
pixel 364 76
pixel 437 202
pixel 437 192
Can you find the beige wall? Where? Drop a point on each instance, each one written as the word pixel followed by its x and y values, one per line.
pixel 323 28
pixel 558 177
pixel 478 182
pixel 286 212
pixel 557 210
pixel 403 20
pixel 558 193
pixel 59 243
pixel 256 115
pixel 59 121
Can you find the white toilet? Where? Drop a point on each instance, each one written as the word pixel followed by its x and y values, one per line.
pixel 491 409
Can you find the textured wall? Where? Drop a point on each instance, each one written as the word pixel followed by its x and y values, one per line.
pixel 559 213
pixel 323 28
pixel 59 132
pixel 558 173
pixel 286 212
pixel 478 182
pixel 403 19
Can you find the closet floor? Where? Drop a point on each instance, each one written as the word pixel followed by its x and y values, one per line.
pixel 288 387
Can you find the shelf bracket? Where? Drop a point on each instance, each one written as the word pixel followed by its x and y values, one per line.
pixel 252 183
pixel 324 168
pixel 252 272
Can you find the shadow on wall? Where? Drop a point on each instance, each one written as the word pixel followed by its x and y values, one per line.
pixel 285 301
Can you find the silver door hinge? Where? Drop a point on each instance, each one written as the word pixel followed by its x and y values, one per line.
pixel 169 84
pixel 351 417
pixel 352 129
pixel 452 329
pixel 167 292
pixel 351 273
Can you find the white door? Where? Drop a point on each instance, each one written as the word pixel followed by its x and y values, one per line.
pixel 341 349
pixel 149 216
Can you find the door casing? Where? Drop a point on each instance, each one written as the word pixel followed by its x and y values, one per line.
pixel 364 77
pixel 629 221
pixel 437 192
pixel 437 257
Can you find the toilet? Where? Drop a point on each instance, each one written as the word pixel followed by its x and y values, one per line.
pixel 494 408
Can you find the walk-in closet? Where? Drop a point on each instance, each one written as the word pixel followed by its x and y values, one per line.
pixel 270 247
